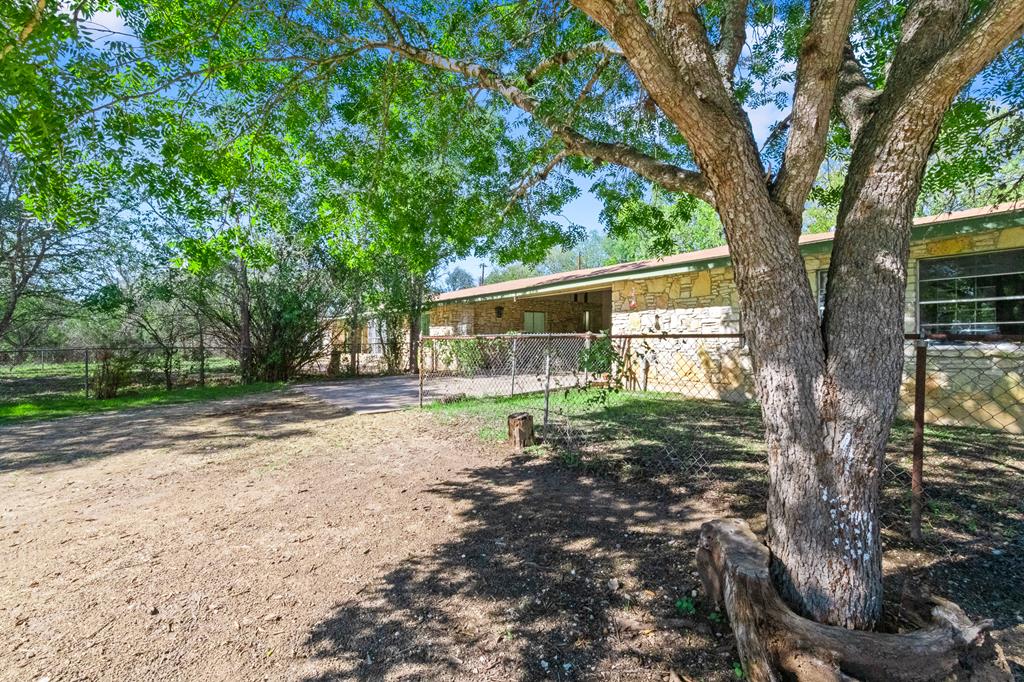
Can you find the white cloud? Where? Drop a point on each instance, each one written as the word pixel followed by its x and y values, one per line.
pixel 107 26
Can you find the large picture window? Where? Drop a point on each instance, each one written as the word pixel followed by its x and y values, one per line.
pixel 977 294
pixel 534 322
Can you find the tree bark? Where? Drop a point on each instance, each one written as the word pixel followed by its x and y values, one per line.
pixel 520 430
pixel 202 352
pixel 771 639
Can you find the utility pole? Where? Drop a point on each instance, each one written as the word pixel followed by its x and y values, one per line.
pixel 482 269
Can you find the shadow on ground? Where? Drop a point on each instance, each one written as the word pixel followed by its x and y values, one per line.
pixel 39 445
pixel 546 535
pixel 554 567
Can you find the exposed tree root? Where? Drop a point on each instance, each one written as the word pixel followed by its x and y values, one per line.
pixel 777 644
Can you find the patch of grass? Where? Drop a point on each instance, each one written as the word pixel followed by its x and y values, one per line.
pixel 685 606
pixel 51 408
pixel 627 434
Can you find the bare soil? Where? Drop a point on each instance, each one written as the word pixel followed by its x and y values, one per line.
pixel 279 538
pixel 276 537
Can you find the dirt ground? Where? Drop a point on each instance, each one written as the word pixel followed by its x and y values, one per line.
pixel 276 537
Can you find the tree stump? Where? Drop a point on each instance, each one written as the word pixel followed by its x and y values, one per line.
pixel 520 430
pixel 777 644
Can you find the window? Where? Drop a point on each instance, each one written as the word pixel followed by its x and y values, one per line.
pixel 534 322
pixel 976 294
pixel 425 324
pixel 822 286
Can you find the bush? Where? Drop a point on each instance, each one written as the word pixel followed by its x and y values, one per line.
pixel 115 370
pixel 598 358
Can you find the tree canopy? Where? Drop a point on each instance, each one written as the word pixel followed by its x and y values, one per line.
pixel 413 132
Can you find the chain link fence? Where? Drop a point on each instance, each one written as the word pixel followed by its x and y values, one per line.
pixel 93 372
pixel 684 405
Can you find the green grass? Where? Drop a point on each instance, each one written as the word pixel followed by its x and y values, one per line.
pixel 51 408
pixel 625 433
pixel 76 368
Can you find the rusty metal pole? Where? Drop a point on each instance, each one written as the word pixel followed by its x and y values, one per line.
pixel 917 467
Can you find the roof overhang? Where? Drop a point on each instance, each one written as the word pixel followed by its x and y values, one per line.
pixel 951 224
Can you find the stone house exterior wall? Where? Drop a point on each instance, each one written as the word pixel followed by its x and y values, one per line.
pixel 564 315
pixel 968 384
pixel 981 385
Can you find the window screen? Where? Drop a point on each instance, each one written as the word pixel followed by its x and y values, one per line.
pixel 976 294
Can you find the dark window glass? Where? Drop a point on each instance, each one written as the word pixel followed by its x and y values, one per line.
pixel 976 294
pixel 992 263
pixel 822 286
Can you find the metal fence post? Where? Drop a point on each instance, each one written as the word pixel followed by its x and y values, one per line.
pixel 586 361
pixel 419 365
pixel 917 467
pixel 547 382
pixel 513 367
pixel 86 372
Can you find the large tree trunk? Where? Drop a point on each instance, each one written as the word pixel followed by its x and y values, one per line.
pixel 822 491
pixel 828 390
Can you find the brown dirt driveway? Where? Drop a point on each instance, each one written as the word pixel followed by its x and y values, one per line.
pixel 279 537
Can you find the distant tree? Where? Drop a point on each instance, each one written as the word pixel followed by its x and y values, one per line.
pixel 505 273
pixel 43 266
pixel 457 279
pixel 588 253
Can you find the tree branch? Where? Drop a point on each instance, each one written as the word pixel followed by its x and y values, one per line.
pixel 733 35
pixel 391 20
pixel 562 58
pixel 854 97
pixel 669 176
pixel 529 183
pixel 977 44
pixel 26 31
pixel 817 74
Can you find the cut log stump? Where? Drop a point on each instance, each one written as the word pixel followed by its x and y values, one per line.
pixel 777 644
pixel 520 430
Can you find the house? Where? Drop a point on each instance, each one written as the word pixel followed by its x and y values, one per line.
pixel 965 276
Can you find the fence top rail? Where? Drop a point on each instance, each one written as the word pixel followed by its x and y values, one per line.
pixel 968 338
pixel 82 349
pixel 578 335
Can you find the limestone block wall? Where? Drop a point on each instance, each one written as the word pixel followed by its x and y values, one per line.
pixel 703 302
pixel 976 384
pixel 706 368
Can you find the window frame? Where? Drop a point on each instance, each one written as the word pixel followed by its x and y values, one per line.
pixel 934 327
pixel 527 314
